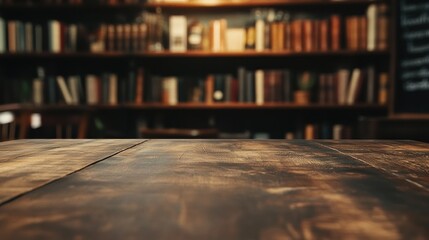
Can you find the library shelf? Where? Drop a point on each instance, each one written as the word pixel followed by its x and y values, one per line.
pixel 195 54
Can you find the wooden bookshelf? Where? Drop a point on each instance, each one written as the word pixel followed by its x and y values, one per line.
pixel 196 54
pixel 162 63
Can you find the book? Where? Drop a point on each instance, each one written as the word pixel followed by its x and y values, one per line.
pixel 354 87
pixel 54 28
pixel 73 86
pixel 209 88
pixel 335 23
pixel 65 91
pixel 170 90
pixel 12 38
pixel 383 91
pixel 139 86
pixel 178 33
pixel 235 39
pixel 343 85
pixel 92 89
pixel 28 37
pixel 113 89
pixel 259 33
pixel 2 35
pixel 259 86
pixel 37 91
pixel 371 15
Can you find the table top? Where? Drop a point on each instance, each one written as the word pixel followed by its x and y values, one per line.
pixel 214 189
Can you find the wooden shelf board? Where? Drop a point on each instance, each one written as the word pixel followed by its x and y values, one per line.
pixel 255 3
pixel 186 5
pixel 195 54
pixel 199 106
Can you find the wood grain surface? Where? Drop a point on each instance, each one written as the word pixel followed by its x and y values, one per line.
pixel 229 189
pixel 28 164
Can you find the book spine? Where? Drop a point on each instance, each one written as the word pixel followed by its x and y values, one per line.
pixel 2 35
pixel 259 79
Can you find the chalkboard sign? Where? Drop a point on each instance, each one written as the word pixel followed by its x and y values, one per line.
pixel 412 64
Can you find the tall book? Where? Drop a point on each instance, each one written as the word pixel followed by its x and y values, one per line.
pixel 170 90
pixel 139 86
pixel 12 36
pixel 354 87
pixel 92 89
pixel 371 15
pixel 343 85
pixel 54 27
pixel 335 22
pixel 38 91
pixel 259 86
pixel 178 33
pixel 383 91
pixel 241 75
pixel 38 38
pixel 2 35
pixel 260 34
pixel 65 91
pixel 382 27
pixel 209 88
pixel 73 84
pixel 28 37
pixel 113 89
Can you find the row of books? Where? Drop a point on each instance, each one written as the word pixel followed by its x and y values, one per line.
pixel 277 31
pixel 105 88
pixel 52 2
pixel 56 37
pixel 343 87
pixel 324 130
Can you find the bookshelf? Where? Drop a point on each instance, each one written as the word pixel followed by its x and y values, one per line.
pixel 152 113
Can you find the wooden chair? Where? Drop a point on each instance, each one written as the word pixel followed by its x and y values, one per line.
pixel 8 126
pixel 62 125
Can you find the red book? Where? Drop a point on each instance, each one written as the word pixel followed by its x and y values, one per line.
pixel 297 35
pixel 308 35
pixel 323 35
pixel 335 32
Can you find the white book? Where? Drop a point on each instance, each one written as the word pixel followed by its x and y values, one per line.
pixel 28 37
pixel 216 37
pixel 170 88
pixel 91 89
pixel 37 91
pixel 2 35
pixel 55 36
pixel 354 86
pixel 113 89
pixel 337 130
pixel 64 90
pixel 178 33
pixel 259 85
pixel 371 15
pixel 259 28
pixel 73 82
pixel 343 84
pixel 235 39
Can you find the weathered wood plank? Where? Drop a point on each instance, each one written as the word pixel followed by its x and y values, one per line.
pixel 408 160
pixel 28 164
pixel 229 189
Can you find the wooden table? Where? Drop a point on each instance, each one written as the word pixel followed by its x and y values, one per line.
pixel 214 189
